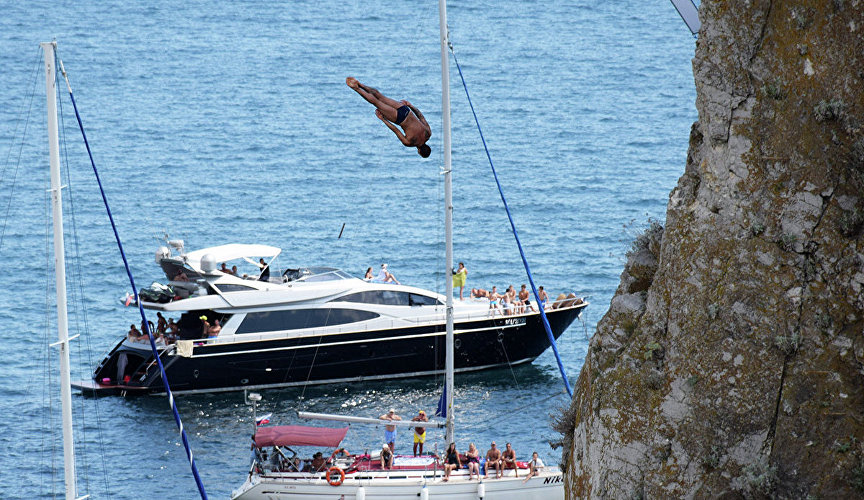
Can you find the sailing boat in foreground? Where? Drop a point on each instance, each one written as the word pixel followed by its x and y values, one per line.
pixel 363 476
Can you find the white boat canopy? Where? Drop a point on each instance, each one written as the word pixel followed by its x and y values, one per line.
pixel 231 251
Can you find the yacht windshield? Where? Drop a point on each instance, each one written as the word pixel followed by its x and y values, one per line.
pixel 314 274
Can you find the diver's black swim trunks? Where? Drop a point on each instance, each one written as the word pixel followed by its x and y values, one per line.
pixel 401 114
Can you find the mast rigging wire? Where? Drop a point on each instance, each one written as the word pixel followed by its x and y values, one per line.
pixel 515 233
pixel 78 279
pixel 20 149
pixel 156 356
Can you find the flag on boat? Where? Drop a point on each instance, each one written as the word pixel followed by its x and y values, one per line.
pixel 442 405
pixel 128 299
pixel 263 419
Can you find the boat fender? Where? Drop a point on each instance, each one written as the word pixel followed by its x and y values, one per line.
pixel 335 476
pixel 361 494
pixel 481 490
pixel 424 493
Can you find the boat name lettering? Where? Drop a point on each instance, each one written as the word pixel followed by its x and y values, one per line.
pixel 514 321
pixel 553 480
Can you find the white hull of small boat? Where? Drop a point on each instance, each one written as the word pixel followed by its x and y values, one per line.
pixel 403 486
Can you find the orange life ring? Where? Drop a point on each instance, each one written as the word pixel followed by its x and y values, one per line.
pixel 340 450
pixel 333 481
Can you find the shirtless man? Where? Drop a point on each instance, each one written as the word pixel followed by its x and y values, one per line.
pixel 494 296
pixel 419 432
pixel 523 296
pixel 514 302
pixel 508 460
pixel 544 297
pixel 390 430
pixel 493 461
pixel 415 130
pixel 161 324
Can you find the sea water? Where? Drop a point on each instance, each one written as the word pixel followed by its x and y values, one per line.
pixel 218 122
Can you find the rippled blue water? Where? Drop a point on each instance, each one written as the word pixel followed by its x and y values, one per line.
pixel 230 122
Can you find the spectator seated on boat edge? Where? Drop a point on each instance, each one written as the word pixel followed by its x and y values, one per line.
pixel 385 276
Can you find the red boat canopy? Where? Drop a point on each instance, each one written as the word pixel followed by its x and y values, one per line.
pixel 298 435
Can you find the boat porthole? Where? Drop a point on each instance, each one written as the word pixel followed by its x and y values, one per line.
pixel 457 343
pixel 195 374
pixel 244 380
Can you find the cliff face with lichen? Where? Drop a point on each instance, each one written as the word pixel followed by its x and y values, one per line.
pixel 731 361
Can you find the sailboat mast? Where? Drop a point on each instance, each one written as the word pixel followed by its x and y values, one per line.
pixel 448 217
pixel 59 271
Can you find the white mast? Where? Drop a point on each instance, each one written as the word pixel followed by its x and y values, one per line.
pixel 59 271
pixel 448 216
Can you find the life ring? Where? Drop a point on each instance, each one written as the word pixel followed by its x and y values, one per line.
pixel 340 450
pixel 334 481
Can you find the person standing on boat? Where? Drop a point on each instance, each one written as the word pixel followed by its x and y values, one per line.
pixel 544 297
pixel 390 430
pixel 493 300
pixel 265 270
pixel 419 432
pixel 161 324
pixel 459 278
pixel 415 130
pixel 524 297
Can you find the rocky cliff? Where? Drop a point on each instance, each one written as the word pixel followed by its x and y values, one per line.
pixel 731 361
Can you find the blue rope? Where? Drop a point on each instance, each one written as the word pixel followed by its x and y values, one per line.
pixel 515 234
pixel 145 325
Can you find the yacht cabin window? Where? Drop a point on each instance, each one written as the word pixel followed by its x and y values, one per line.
pixel 388 298
pixel 296 319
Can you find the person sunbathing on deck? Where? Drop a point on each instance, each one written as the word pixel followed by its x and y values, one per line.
pixel 415 130
pixel 385 276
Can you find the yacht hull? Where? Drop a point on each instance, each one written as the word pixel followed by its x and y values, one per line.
pixel 415 351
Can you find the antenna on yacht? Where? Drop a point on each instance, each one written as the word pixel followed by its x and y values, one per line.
pixel 254 397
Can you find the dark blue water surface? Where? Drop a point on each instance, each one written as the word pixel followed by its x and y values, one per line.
pixel 226 122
